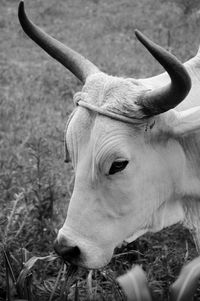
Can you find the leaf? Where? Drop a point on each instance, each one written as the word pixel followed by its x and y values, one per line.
pixel 135 285
pixel 184 287
pixel 23 281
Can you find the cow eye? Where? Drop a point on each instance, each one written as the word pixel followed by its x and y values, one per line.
pixel 117 166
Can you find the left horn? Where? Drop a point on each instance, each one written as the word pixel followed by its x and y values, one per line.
pixel 76 63
pixel 164 98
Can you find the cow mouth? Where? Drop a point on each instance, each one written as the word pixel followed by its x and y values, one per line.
pixel 92 264
pixel 94 261
pixel 85 265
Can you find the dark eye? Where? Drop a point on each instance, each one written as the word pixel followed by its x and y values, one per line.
pixel 117 166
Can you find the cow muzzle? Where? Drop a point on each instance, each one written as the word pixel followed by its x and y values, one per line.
pixel 81 252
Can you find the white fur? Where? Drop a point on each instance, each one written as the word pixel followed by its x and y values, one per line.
pixel 160 185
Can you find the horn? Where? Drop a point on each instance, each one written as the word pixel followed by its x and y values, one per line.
pixel 76 63
pixel 164 98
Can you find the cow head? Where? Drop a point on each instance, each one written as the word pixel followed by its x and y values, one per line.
pixel 121 151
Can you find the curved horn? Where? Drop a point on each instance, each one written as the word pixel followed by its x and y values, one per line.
pixel 72 60
pixel 165 98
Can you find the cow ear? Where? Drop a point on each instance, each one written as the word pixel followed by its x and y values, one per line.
pixel 67 157
pixel 66 152
pixel 186 122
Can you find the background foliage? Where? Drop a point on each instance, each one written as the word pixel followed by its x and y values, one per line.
pixel 36 98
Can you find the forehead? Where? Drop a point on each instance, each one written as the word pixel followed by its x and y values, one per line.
pixel 89 129
pixel 85 122
pixel 103 90
pixel 113 94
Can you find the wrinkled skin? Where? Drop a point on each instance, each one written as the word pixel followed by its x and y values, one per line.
pixel 147 195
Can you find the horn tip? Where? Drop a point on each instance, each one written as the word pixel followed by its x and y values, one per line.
pixel 21 7
pixel 21 4
pixel 21 13
pixel 136 31
pixel 139 35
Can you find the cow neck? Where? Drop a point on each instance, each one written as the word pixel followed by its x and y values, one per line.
pixel 78 99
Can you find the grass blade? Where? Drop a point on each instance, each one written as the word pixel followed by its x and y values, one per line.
pixel 76 295
pixel 68 281
pixel 18 197
pixel 8 264
pixel 117 291
pixel 184 287
pixel 8 290
pixel 10 278
pixel 89 285
pixel 56 283
pixel 135 285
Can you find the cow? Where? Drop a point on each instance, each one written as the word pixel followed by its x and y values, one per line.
pixel 134 145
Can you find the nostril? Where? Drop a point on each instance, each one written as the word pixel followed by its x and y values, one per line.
pixel 68 253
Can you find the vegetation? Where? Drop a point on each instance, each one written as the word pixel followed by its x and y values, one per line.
pixel 35 100
pixel 136 288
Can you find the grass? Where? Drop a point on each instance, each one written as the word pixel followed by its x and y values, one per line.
pixel 35 100
pixel 48 278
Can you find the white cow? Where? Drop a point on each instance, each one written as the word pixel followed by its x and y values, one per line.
pixel 136 158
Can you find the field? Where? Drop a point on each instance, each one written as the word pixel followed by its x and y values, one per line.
pixel 35 101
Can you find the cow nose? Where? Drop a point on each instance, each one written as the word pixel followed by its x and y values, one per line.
pixel 68 253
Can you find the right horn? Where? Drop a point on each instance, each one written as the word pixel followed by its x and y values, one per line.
pixel 76 63
pixel 164 98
